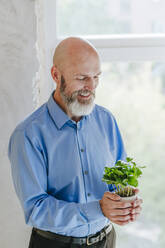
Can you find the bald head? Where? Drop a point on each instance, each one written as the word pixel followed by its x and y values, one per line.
pixel 72 49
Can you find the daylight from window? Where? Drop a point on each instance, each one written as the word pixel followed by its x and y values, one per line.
pixel 107 17
pixel 135 94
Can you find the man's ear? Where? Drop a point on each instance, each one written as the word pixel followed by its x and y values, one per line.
pixel 55 74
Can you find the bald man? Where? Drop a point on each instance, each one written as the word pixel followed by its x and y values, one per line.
pixel 58 155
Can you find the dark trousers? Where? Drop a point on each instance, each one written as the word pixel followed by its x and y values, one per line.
pixel 37 241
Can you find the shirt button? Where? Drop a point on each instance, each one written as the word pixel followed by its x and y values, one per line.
pixel 89 194
pixel 86 172
pixel 82 150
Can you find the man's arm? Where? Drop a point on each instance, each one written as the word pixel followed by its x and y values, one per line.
pixel 42 210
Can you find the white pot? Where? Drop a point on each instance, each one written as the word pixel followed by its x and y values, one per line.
pixel 129 198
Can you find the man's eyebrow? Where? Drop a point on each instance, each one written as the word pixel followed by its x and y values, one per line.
pixel 99 73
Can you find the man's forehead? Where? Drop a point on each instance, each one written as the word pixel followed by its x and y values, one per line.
pixel 85 68
pixel 84 74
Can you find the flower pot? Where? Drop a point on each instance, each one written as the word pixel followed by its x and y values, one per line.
pixel 129 198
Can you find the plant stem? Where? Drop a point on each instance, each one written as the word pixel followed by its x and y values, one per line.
pixel 127 191
pixel 131 191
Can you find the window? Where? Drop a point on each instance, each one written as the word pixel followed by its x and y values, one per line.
pixel 125 7
pixel 107 17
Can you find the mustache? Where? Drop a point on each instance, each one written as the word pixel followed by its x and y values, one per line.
pixel 73 96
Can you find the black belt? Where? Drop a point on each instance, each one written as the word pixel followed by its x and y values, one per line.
pixel 89 240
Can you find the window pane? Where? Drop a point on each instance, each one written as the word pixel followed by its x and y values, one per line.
pixel 135 94
pixel 105 17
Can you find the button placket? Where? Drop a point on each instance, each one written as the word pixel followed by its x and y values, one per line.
pixel 80 145
pixel 82 150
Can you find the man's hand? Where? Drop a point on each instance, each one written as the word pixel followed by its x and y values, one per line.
pixel 119 212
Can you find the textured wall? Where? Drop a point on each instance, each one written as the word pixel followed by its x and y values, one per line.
pixel 18 67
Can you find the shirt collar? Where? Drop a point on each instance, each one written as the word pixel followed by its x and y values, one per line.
pixel 59 116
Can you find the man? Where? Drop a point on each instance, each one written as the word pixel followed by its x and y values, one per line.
pixel 58 155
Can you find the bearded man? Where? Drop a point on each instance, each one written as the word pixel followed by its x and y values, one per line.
pixel 58 155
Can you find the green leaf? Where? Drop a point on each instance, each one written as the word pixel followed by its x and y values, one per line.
pixel 138 172
pixel 133 181
pixel 118 172
pixel 129 159
pixel 125 182
pixel 119 163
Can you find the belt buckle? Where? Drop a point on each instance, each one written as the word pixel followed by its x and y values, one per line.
pixel 88 241
pixel 102 235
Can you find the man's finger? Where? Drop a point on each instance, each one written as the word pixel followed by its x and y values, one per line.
pixel 123 212
pixel 134 217
pixel 137 202
pixel 136 190
pixel 136 210
pixel 121 204
pixel 112 196
pixel 121 218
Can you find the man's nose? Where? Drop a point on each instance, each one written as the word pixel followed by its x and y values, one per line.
pixel 90 84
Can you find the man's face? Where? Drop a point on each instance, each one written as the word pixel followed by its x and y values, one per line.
pixel 78 84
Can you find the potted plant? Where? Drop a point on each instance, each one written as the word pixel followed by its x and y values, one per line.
pixel 124 178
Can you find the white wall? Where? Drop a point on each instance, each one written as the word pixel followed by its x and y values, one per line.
pixel 18 65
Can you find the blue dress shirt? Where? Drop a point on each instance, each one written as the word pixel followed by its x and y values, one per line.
pixel 57 167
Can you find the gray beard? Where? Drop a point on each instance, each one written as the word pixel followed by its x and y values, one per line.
pixel 79 109
pixel 75 107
